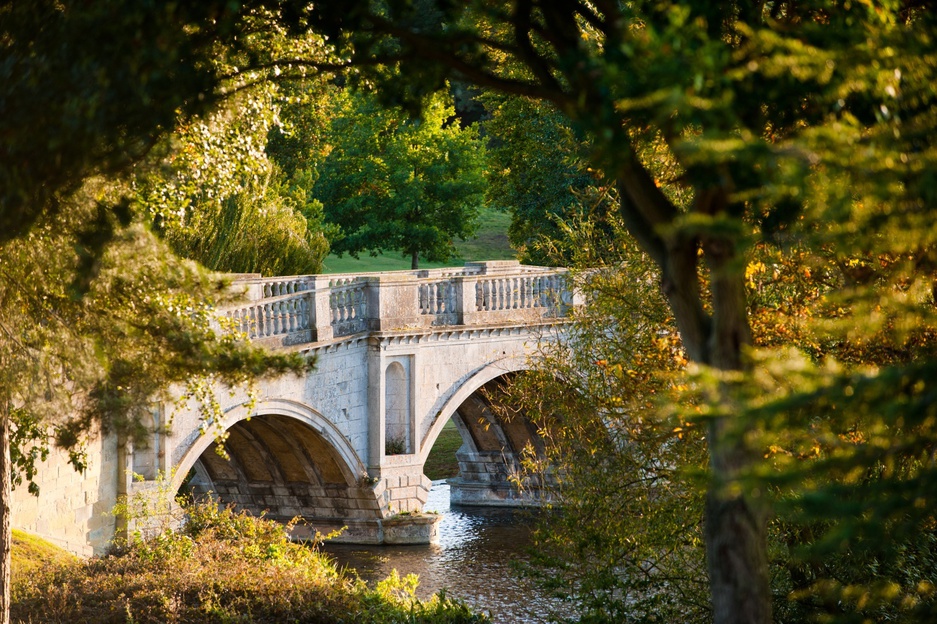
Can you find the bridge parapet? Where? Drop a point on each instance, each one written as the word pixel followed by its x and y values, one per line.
pixel 316 308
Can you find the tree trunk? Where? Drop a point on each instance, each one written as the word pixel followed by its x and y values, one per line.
pixel 6 500
pixel 415 260
pixel 735 524
pixel 735 530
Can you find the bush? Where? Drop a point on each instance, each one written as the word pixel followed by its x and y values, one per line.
pixel 221 567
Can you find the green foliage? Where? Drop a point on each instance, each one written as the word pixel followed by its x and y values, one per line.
pixel 625 542
pixel 810 128
pixel 257 230
pixel 216 197
pixel 145 321
pixel 538 175
pixel 221 566
pixel 89 89
pixel 394 183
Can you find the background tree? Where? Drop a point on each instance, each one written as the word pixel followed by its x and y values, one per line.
pixel 216 196
pixel 538 174
pixel 390 182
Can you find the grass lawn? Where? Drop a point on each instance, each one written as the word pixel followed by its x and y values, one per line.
pixel 490 243
pixel 441 463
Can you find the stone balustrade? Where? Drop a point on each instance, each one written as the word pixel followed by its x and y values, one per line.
pixel 315 308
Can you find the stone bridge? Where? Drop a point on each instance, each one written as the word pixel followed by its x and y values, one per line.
pixel 397 355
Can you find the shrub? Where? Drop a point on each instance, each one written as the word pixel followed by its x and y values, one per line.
pixel 222 566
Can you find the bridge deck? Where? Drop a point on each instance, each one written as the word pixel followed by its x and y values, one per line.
pixel 306 309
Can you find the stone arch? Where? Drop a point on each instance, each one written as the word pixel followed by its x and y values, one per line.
pixel 285 460
pixel 465 388
pixel 494 444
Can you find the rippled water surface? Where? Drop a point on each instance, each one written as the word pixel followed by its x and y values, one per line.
pixel 473 560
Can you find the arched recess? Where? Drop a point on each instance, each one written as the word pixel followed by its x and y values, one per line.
pixel 397 436
pixel 286 460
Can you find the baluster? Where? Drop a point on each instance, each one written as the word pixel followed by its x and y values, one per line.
pixel 422 295
pixel 486 294
pixel 479 296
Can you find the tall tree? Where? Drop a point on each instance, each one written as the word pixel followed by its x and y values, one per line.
pixel 783 117
pixel 541 188
pixel 394 183
pixel 216 196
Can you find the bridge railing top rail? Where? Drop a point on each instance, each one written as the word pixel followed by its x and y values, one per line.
pixel 311 308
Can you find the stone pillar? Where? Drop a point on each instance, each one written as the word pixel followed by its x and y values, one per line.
pixel 320 309
pixel 376 408
pixel 468 300
pixel 393 302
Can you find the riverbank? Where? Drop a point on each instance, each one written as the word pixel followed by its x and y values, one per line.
pixel 223 567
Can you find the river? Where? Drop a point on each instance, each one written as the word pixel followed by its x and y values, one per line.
pixel 473 560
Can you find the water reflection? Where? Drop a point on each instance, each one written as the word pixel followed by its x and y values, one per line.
pixel 473 560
